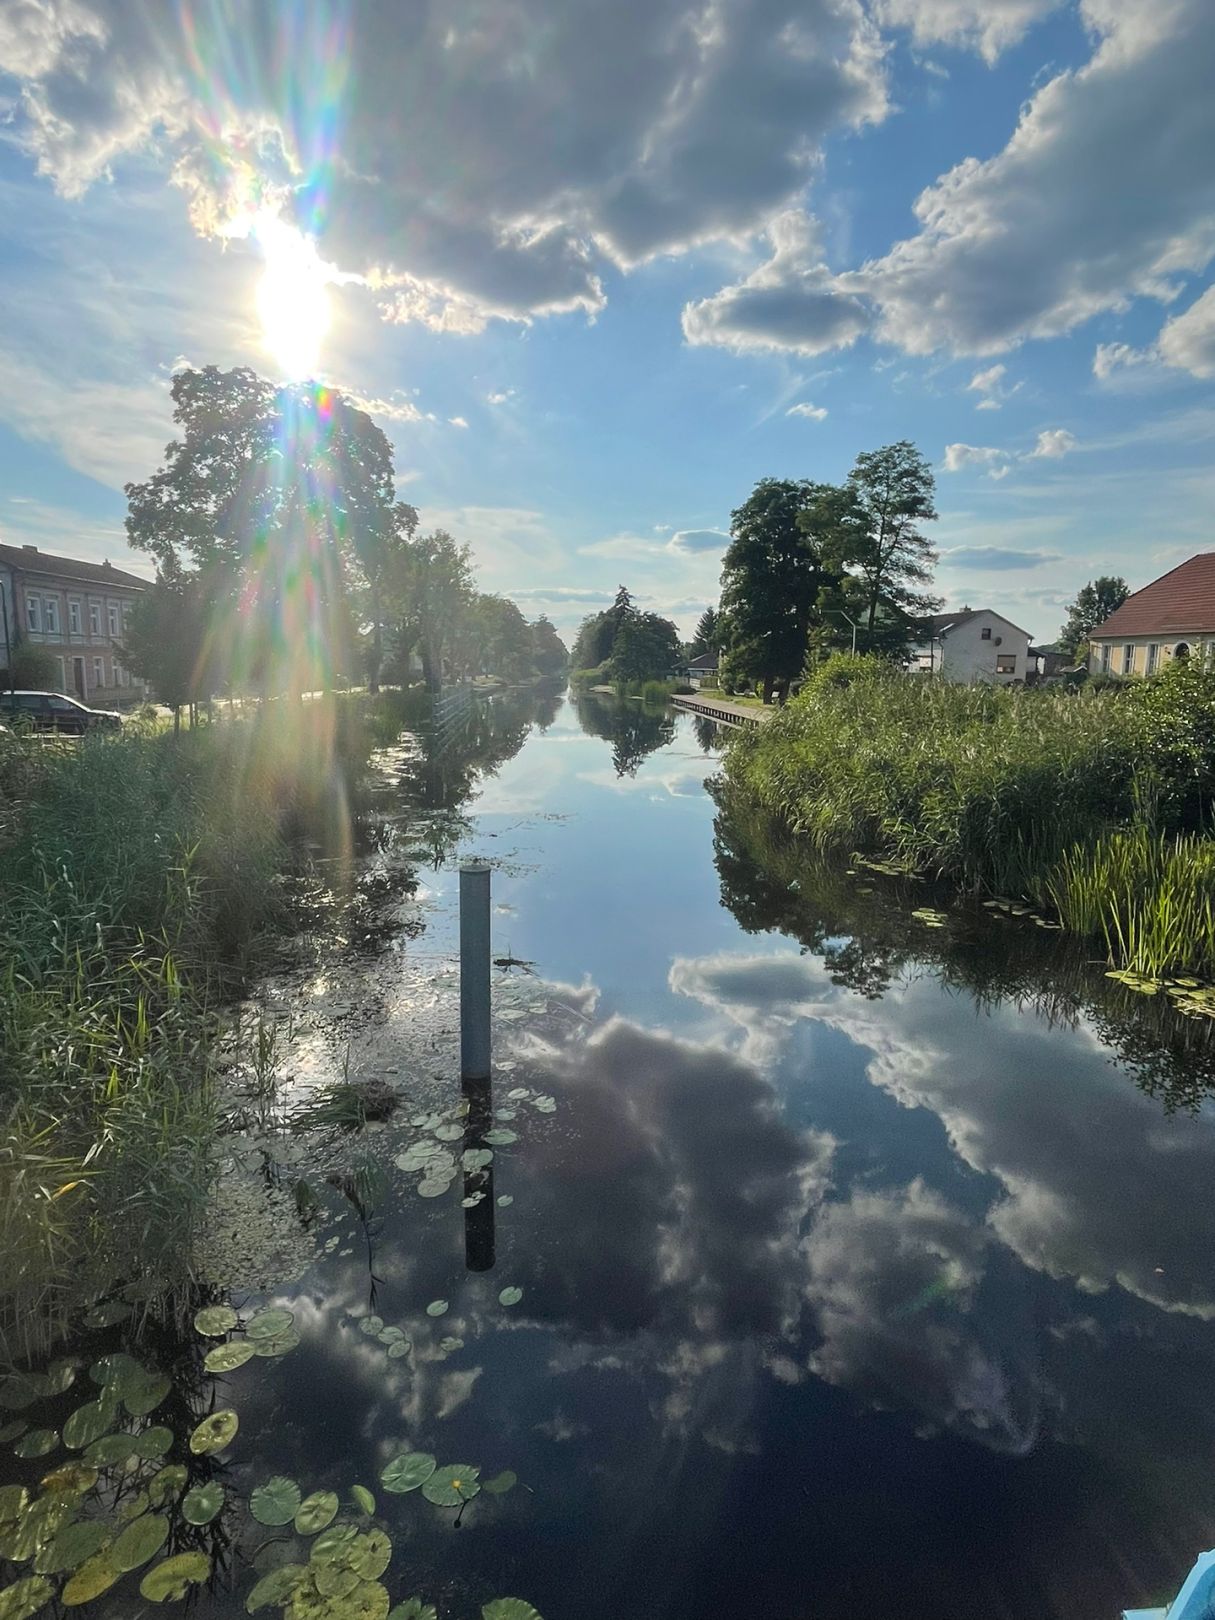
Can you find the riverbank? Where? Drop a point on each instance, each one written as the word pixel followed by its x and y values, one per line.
pixel 140 878
pixel 1095 804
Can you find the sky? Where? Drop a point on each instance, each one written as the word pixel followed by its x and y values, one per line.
pixel 596 269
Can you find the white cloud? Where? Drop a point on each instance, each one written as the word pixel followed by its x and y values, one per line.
pixel 989 384
pixel 457 421
pixel 397 408
pixel 500 397
pixel 1053 443
pixel 958 456
pixel 816 413
pixel 988 26
pixel 1188 340
pixel 1111 357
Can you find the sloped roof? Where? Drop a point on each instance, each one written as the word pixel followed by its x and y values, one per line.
pixel 704 661
pixel 1183 600
pixel 34 561
pixel 950 621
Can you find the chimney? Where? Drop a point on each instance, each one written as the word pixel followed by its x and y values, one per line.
pixel 107 563
pixel 34 549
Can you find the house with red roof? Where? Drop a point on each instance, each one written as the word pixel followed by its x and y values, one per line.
pixel 1173 617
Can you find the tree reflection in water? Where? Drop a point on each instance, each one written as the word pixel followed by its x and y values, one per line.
pixel 634 729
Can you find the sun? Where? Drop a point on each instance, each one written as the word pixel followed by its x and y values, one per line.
pixel 292 298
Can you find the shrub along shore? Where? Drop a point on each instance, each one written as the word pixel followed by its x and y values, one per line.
pixel 140 877
pixel 1096 804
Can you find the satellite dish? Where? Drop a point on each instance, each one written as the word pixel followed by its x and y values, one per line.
pixel 999 641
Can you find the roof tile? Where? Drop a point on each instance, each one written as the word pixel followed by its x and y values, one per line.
pixel 1179 602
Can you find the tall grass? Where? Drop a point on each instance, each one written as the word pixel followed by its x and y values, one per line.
pixel 139 878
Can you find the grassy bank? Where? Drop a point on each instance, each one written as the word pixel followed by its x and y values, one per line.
pixel 1011 791
pixel 140 877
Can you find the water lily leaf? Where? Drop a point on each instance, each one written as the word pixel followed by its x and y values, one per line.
pixel 142 1539
pixel 277 1344
pixel 333 1545
pixel 448 1133
pixel 476 1158
pixel 448 1347
pixel 115 1370
pixel 276 1588
pixel 414 1609
pixel 518 1093
pixel 269 1323
pixel 228 1357
pixel 10 1431
pixel 432 1189
pixel 363 1499
pixel 167 1484
pixel 407 1472
pixel 214 1433
pixel 111 1451
pixel 213 1321
pixel 74 1544
pixel 113 1310
pixel 134 1506
pixel 471 1203
pixel 175 1576
pixel 544 1105
pixel 335 1580
pixel 315 1512
pixel 369 1601
pixel 88 1423
pixel 509 1609
pixel 371 1325
pixel 153 1443
pixel 144 1394
pixel 74 1478
pixel 437 1307
pixel 501 1483
pixel 505 1114
pixel 37 1443
pixel 501 1138
pixel 95 1576
pixel 369 1555
pixel 399 1348
pixel 39 1523
pixel 61 1375
pixel 275 1502
pixel 25 1597
pixel 452 1484
pixel 18 1391
pixel 13 1502
pixel 201 1503
pixel 505 1201
pixel 510 1296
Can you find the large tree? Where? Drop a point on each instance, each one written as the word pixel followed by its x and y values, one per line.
pixel 705 639
pixel 647 648
pixel 431 592
pixel 890 558
pixel 772 574
pixel 503 643
pixel 1092 607
pixel 550 655
pixel 170 642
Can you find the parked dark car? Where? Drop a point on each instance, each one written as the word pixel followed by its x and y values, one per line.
pixel 52 711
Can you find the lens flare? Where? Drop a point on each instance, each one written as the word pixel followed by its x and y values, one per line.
pixel 292 299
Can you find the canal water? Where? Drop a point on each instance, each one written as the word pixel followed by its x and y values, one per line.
pixel 857 1247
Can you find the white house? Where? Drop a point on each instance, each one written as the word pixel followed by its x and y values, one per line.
pixel 975 644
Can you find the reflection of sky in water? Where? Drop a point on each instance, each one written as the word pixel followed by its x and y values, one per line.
pixel 832 1305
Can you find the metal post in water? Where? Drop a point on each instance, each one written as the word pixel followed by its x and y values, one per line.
pixel 474 971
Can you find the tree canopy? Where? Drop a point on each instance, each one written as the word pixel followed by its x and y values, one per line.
pixel 1093 605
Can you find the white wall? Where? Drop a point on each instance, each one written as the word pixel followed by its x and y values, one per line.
pixel 965 654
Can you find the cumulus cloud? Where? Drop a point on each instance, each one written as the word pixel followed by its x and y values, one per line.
pixel 457 421
pixel 988 26
pixel 997 558
pixel 792 301
pixel 699 540
pixel 500 396
pixel 816 413
pixel 989 384
pixel 958 456
pixel 484 163
pixel 1188 340
pixel 1053 443
pixel 1111 357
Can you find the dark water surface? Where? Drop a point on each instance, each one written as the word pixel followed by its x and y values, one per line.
pixel 866 1266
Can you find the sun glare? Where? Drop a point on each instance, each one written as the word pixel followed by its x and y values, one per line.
pixel 292 299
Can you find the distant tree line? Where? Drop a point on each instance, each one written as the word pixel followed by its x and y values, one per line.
pixel 285 562
pixel 624 646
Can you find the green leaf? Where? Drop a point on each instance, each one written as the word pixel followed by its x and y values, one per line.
pixel 275 1588
pixel 315 1512
pixel 452 1484
pixel 10 1431
pixel 18 1391
pixel 407 1472
pixel 399 1348
pixel 37 1443
pixel 227 1357
pixel 501 1483
pixel 414 1609
pixel 201 1503
pixel 500 1137
pixel 13 1501
pixel 39 1523
pixel 144 1394
pixel 333 1545
pixel 213 1321
pixel 25 1597
pixel 61 1375
pixel 111 1451
pixel 510 1296
pixel 72 1479
pixel 505 1201
pixel 371 1324
pixel 363 1499
pixel 509 1609
pixel 113 1310
pixel 167 1484
pixel 134 1506
pixel 95 1576
pixel 115 1371
pixel 275 1502
pixel 73 1545
pixel 153 1443
pixel 369 1555
pixel 214 1433
pixel 175 1576
pixel 334 1580
pixel 448 1133
pixel 437 1307
pixel 477 1158
pixel 88 1423
pixel 271 1322
pixel 142 1539
pixel 276 1344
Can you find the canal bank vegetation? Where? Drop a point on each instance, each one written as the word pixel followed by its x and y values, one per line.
pixel 628 649
pixel 1095 803
pixel 141 877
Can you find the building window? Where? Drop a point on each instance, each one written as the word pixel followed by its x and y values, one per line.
pixel 1128 658
pixel 52 616
pixel 98 673
pixel 73 617
pixel 1181 650
pixel 94 618
pixel 113 616
pixel 33 613
pixel 1105 658
pixel 1006 663
pixel 985 634
pixel 1153 657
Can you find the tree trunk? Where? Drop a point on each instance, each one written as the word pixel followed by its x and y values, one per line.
pixel 377 641
pixel 769 683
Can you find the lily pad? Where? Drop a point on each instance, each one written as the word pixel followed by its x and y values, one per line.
pixel 276 1344
pixel 510 1296
pixel 369 1555
pixel 228 1357
pixel 399 1348
pixel 71 1479
pixel 37 1443
pixel 371 1325
pixel 18 1391
pixel 213 1321
pixel 25 1597
pixel 476 1158
pixel 509 1609
pixel 414 1609
pixel 363 1499
pixel 448 1347
pixel 407 1472
pixel 175 1577
pixel 88 1423
pixel 315 1512
pixel 111 1451
pixel 105 1315
pixel 437 1307
pixel 115 1370
pixel 276 1502
pixel 10 1431
pixel 74 1544
pixel 276 1588
pixel 214 1433
pixel 448 1133
pixel 452 1484
pixel 501 1483
pixel 335 1580
pixel 201 1503
pixel 505 1201
pixel 142 1539
pixel 501 1138
pixel 13 1502
pixel 95 1576
pixel 144 1394
pixel 134 1506
pixel 432 1189
pixel 333 1545
pixel 167 1484
pixel 471 1203
pixel 40 1522
pixel 152 1444
pixel 61 1375
pixel 270 1322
